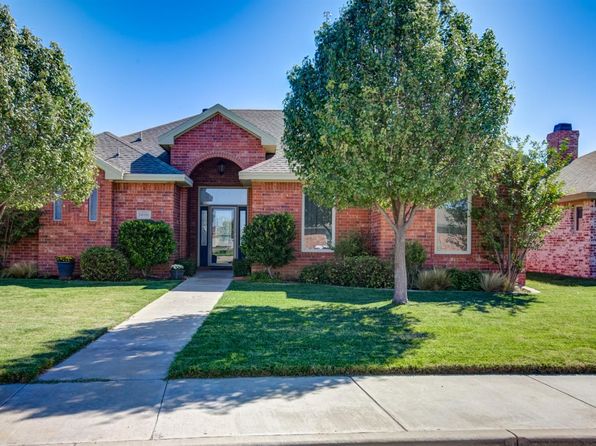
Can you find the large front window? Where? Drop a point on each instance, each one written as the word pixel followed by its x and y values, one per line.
pixel 453 228
pixel 318 226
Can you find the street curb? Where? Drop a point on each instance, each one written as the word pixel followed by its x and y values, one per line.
pixel 520 437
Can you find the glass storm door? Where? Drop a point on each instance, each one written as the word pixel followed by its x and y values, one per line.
pixel 222 246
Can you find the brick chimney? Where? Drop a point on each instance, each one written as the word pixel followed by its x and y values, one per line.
pixel 564 132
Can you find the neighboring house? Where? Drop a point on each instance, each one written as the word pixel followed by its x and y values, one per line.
pixel 206 176
pixel 570 249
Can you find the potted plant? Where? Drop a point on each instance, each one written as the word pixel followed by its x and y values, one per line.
pixel 177 271
pixel 66 266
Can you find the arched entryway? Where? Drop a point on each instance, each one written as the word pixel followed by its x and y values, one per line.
pixel 217 212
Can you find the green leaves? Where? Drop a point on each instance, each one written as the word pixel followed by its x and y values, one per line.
pixel 146 243
pixel 516 216
pixel 46 144
pixel 267 240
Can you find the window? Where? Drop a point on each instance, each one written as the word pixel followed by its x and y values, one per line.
pixel 579 214
pixel 203 227
pixel 93 202
pixel 453 229
pixel 58 208
pixel 223 195
pixel 318 226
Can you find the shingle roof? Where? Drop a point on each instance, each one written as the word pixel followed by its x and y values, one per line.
pixel 129 159
pixel 580 175
pixel 140 152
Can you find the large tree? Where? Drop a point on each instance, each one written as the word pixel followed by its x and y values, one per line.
pixel 517 215
pixel 46 144
pixel 399 109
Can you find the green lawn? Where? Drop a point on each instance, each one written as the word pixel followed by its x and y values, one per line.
pixel 44 321
pixel 296 329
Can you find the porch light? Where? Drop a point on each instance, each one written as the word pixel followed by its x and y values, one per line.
pixel 221 167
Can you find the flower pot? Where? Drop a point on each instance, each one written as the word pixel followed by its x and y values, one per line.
pixel 177 274
pixel 65 269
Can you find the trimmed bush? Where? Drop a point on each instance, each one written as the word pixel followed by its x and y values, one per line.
pixel 364 271
pixel 415 258
pixel 104 263
pixel 146 243
pixel 468 280
pixel 434 279
pixel 241 267
pixel 190 266
pixel 21 270
pixel 354 244
pixel 267 240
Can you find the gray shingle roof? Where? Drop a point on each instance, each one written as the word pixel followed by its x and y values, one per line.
pixel 127 158
pixel 140 152
pixel 580 175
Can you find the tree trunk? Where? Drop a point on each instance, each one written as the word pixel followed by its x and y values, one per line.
pixel 400 290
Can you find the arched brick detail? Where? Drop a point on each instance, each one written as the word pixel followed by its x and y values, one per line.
pixel 216 137
pixel 219 154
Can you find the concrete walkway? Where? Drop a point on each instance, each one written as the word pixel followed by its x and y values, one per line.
pixel 383 410
pixel 143 346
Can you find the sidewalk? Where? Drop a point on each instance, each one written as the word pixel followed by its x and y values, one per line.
pixel 485 409
pixel 143 346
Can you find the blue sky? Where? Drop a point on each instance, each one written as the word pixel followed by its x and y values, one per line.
pixel 143 63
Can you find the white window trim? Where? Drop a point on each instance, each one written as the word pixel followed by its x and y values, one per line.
pixel 96 191
pixel 302 247
pixel 468 251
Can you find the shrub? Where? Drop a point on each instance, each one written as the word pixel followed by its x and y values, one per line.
pixel 104 263
pixel 415 258
pixel 364 271
pixel 494 282
pixel 241 267
pixel 190 266
pixel 267 240
pixel 465 280
pixel 354 244
pixel 433 279
pixel 263 277
pixel 146 243
pixel 21 270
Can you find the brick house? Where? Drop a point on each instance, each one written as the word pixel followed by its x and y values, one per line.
pixel 570 249
pixel 206 176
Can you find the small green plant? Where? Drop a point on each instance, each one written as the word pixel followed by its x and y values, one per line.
pixel 146 243
pixel 434 279
pixel 241 267
pixel 495 282
pixel 65 259
pixel 415 258
pixel 354 244
pixel 177 267
pixel 190 266
pixel 103 263
pixel 267 240
pixel 21 270
pixel 315 273
pixel 264 277
pixel 465 280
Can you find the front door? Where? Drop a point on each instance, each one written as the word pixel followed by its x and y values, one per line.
pixel 222 237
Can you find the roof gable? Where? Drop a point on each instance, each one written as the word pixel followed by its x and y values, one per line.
pixel 268 141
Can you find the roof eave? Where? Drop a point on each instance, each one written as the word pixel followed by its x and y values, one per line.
pixel 578 196
pixel 111 172
pixel 248 177
pixel 180 179
pixel 268 142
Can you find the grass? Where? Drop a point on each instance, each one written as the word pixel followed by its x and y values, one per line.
pixel 296 329
pixel 43 321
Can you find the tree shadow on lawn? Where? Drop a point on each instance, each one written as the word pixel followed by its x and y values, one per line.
pixel 461 300
pixel 553 279
pixel 476 301
pixel 321 340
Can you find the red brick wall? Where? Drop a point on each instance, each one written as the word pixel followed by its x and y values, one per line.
pixel 25 250
pixel 568 251
pixel 269 197
pixel 216 138
pixel 75 233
